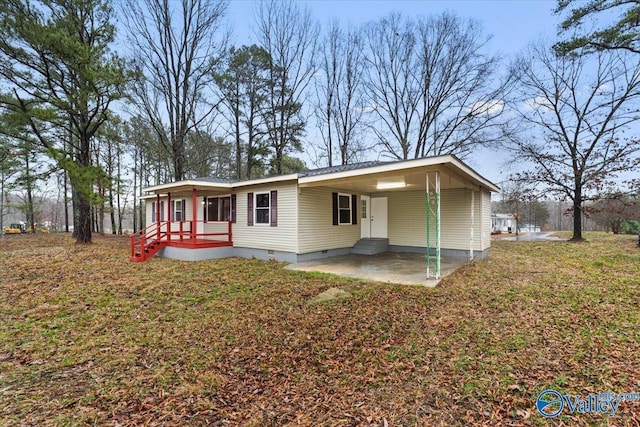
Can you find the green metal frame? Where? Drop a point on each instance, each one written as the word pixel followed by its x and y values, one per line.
pixel 432 209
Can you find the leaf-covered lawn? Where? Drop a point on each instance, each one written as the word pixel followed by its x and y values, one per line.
pixel 87 337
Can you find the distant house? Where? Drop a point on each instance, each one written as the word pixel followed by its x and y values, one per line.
pixel 502 223
pixel 364 208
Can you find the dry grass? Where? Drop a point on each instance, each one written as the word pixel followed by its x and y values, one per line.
pixel 87 337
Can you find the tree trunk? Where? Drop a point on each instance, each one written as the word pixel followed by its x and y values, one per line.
pixel 66 202
pixel 577 214
pixel 178 164
pixel 238 136
pixel 81 217
pixel 112 211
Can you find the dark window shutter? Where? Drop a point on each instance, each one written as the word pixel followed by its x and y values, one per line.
pixel 184 210
pixel 354 209
pixel 334 200
pixel 153 211
pixel 233 208
pixel 250 209
pixel 273 203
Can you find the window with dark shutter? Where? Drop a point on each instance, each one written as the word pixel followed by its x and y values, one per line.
pixel 263 208
pixel 344 208
pixel 250 209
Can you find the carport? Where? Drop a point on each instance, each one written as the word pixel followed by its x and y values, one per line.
pixel 392 267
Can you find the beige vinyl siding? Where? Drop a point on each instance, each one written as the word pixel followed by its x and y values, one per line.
pixel 455 217
pixel 486 220
pixel 263 236
pixel 407 219
pixel 148 205
pixel 316 231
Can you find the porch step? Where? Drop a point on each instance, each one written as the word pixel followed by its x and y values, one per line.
pixel 149 251
pixel 370 246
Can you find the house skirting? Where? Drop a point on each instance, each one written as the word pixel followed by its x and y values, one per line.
pixel 199 254
pixel 289 257
pixel 202 254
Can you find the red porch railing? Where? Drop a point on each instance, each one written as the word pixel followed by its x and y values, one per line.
pixel 148 241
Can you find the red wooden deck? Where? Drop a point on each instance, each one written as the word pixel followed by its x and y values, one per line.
pixel 147 242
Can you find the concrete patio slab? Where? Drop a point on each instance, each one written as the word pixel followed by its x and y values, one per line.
pixel 391 267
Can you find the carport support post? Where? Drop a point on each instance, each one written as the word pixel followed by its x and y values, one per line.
pixel 433 209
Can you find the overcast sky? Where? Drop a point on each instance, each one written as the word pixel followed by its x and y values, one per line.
pixel 512 25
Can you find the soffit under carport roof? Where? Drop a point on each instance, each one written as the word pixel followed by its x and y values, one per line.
pixel 453 174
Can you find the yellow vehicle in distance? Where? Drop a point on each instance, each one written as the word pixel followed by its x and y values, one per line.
pixel 15 229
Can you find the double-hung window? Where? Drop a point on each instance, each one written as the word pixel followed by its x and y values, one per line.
pixel 262 208
pixel 178 210
pixel 263 205
pixel 344 209
pixel 217 208
pixel 154 211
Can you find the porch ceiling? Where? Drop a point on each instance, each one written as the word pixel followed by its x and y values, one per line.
pixel 185 188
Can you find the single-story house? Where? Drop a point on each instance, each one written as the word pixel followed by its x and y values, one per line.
pixel 435 205
pixel 502 223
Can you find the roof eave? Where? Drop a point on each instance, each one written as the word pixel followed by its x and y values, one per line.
pixel 187 183
pixel 407 164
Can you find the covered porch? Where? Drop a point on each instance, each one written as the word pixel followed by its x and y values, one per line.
pixel 179 220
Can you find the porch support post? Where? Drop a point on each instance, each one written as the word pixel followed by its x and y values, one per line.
pixel 472 220
pixel 194 214
pixel 157 208
pixel 169 216
pixel 158 216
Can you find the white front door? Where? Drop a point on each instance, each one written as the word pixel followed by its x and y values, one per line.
pixel 199 215
pixel 379 217
pixel 365 217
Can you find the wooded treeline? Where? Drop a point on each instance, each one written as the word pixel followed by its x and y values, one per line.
pixel 167 95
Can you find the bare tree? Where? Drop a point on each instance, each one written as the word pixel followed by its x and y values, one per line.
pixel 340 101
pixel 289 35
pixel 461 100
pixel 176 50
pixel 392 87
pixel 432 89
pixel 575 109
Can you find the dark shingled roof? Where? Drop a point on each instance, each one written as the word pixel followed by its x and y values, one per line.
pixel 312 172
pixel 215 180
pixel 340 168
